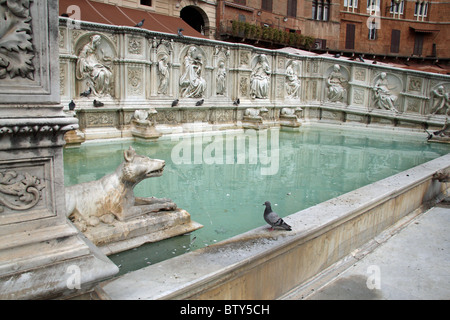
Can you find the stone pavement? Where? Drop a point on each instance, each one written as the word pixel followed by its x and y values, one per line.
pixel 413 264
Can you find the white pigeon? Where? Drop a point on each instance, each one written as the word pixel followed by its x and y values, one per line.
pixel 273 219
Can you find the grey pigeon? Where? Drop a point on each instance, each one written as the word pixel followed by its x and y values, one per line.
pixel 86 93
pixel 71 105
pixel 140 24
pixel 200 102
pixel 175 102
pixel 236 102
pixel 180 32
pixel 273 219
pixel 98 103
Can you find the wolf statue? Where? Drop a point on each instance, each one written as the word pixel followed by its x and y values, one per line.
pixel 111 198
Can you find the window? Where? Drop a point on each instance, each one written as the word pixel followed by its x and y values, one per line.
pixel 266 5
pixel 321 10
pixel 292 8
pixel 146 3
pixel 373 31
pixel 373 7
pixel 397 7
pixel 351 5
pixel 421 10
pixel 350 37
pixel 395 41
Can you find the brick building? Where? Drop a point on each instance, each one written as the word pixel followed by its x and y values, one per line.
pixel 292 16
pixel 386 28
pixel 405 28
pixel 397 28
pixel 199 14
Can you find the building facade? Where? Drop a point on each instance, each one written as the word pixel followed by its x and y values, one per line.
pixel 290 16
pixel 200 14
pixel 405 28
pixel 388 28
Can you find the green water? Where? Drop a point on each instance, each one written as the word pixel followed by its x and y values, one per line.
pixel 224 191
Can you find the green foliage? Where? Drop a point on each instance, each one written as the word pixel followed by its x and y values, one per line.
pixel 256 32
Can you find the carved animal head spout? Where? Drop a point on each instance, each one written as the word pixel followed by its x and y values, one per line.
pixel 137 168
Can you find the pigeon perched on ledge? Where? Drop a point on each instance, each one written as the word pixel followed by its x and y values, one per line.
pixel 175 102
pixel 72 105
pixel 98 103
pixel 140 24
pixel 86 93
pixel 200 102
pixel 273 219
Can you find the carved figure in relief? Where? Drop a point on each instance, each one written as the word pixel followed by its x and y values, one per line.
pixel 221 79
pixel 292 81
pixel 97 73
pixel 112 197
pixel 384 99
pixel 290 112
pixel 336 85
pixel 260 78
pixel 255 113
pixel 443 100
pixel 191 82
pixel 163 68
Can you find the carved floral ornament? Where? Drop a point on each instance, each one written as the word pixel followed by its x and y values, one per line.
pixel 19 191
pixel 16 48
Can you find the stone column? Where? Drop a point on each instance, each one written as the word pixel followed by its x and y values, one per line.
pixel 42 255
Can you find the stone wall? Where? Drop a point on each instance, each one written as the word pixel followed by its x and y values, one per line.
pixel 41 252
pixel 129 69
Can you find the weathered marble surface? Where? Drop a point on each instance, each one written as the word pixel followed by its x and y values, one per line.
pixel 109 214
pixel 150 70
pixel 42 255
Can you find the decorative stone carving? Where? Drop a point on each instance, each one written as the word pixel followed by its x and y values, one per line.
pixel 441 100
pixel 260 78
pixel 94 68
pixel 336 83
pixel 135 75
pixel 289 117
pixel 358 96
pixel 243 86
pixel 135 45
pixel 384 96
pixel 106 210
pixel 254 113
pixel 360 74
pixel 244 58
pixel 143 127
pixel 192 84
pixel 221 84
pixel 164 73
pixel 19 191
pixel 292 80
pixel 415 84
pixel 16 56
pixel 253 118
pixel 111 198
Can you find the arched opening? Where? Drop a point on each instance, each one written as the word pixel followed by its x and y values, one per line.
pixel 194 17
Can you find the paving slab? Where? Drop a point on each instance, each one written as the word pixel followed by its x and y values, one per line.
pixel 413 264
